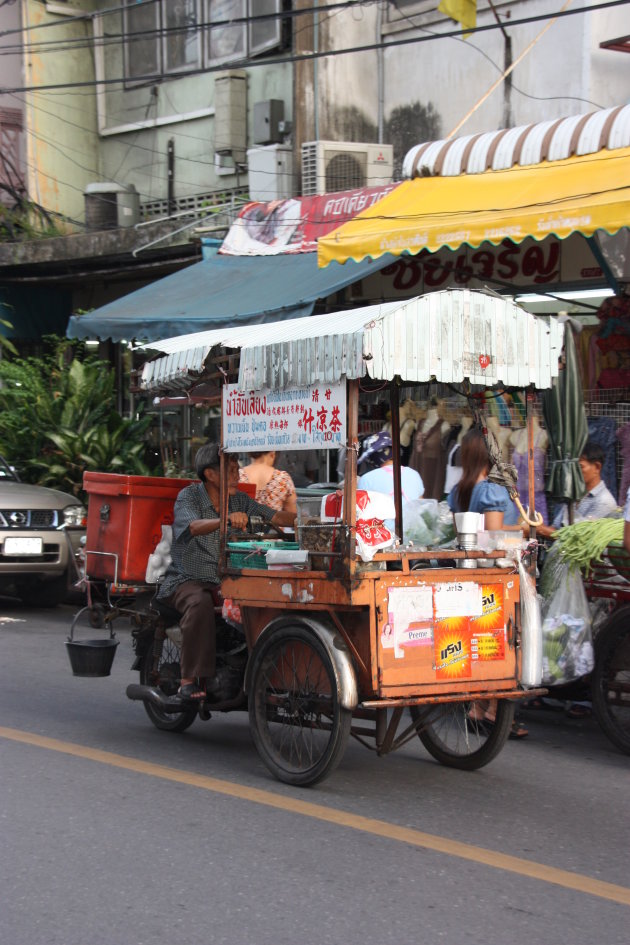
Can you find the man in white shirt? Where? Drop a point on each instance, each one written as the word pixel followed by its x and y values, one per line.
pixel 598 502
pixel 378 453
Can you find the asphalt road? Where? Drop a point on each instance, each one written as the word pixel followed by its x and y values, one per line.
pixel 113 833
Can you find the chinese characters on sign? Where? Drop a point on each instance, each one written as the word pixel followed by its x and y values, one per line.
pixel 298 418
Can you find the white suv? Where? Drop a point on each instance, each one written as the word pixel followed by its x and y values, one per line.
pixel 40 536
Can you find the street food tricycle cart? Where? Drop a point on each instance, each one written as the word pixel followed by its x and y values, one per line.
pixel 337 645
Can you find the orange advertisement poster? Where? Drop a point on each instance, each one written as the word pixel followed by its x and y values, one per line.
pixel 488 630
pixel 492 607
pixel 452 649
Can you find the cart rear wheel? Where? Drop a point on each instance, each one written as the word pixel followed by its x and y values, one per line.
pixel 610 682
pixel 298 726
pixel 160 668
pixel 455 738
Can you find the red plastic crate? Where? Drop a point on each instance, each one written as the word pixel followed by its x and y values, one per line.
pixel 125 518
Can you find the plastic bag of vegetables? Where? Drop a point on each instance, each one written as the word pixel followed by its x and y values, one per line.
pixel 420 521
pixel 566 629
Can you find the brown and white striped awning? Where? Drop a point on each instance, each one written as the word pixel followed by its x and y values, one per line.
pixel 529 144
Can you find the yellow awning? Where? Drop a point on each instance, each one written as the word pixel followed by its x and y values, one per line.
pixel 580 194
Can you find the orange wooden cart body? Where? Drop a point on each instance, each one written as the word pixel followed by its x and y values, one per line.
pixel 418 659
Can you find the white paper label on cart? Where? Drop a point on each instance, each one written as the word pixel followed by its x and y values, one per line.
pixel 410 617
pixel 458 599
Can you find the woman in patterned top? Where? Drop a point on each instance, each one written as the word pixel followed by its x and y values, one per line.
pixel 274 487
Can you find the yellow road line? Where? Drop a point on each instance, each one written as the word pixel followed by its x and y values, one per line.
pixel 379 828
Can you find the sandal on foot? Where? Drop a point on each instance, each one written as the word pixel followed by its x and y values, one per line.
pixel 577 711
pixel 518 730
pixel 536 703
pixel 191 693
pixel 480 726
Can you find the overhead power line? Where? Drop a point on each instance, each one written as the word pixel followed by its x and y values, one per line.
pixel 59 45
pixel 247 62
pixel 234 21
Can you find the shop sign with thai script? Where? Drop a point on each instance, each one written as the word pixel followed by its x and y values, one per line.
pixel 294 225
pixel 530 266
pixel 298 418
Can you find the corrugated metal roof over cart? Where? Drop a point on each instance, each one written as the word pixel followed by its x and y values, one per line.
pixel 448 336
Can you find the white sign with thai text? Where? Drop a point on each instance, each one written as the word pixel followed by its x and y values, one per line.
pixel 298 418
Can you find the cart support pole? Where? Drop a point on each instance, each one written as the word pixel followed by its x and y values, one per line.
pixel 223 499
pixel 531 482
pixel 394 401
pixel 350 479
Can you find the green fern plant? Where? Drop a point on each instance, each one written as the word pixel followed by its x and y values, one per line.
pixel 58 419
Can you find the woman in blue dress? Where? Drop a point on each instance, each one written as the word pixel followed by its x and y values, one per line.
pixel 473 492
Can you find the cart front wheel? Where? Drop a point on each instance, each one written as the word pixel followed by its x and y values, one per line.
pixel 610 683
pixel 455 736
pixel 160 668
pixel 298 726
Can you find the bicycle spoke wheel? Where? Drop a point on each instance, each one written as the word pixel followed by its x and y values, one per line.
pixel 610 682
pixel 455 736
pixel 160 668
pixel 297 723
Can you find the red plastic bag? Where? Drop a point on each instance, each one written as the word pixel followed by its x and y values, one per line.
pixel 372 536
pixel 231 612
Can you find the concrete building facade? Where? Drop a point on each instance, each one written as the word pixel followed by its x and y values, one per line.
pixel 132 124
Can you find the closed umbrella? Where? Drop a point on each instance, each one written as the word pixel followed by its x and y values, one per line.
pixel 565 419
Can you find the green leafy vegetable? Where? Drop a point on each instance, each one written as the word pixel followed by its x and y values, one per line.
pixel 583 544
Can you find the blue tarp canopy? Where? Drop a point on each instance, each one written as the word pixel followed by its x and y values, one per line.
pixel 218 292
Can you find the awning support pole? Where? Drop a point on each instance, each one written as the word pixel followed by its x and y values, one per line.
pixel 603 264
pixel 531 472
pixel 394 404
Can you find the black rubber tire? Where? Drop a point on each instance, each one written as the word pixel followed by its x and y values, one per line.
pixel 610 682
pixel 297 723
pixel 163 672
pixel 457 740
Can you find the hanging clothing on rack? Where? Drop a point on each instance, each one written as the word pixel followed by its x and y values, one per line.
pixel 454 470
pixel 519 441
pixel 623 436
pixel 519 460
pixel 603 430
pixel 428 457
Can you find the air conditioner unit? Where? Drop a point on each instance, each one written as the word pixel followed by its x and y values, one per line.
pixel 109 205
pixel 270 172
pixel 329 166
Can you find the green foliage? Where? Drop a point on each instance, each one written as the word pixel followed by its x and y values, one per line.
pixel 4 342
pixel 25 221
pixel 58 419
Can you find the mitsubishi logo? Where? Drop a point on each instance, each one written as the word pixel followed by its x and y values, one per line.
pixel 18 518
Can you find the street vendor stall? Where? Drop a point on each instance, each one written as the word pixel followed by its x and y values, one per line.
pixel 348 626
